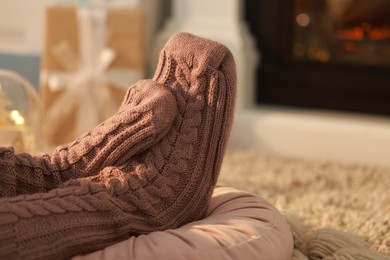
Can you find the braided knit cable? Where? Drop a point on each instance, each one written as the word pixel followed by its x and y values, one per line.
pixel 193 167
pixel 136 126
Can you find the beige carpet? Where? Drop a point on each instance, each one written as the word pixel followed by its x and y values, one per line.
pixel 348 197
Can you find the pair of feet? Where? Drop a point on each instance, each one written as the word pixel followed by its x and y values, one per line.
pixel 151 166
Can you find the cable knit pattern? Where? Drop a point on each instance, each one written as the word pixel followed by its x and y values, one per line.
pixel 144 118
pixel 164 187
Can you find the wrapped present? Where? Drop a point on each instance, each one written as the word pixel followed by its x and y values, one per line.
pixel 91 55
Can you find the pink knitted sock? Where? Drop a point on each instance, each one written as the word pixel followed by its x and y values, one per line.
pixel 164 187
pixel 145 116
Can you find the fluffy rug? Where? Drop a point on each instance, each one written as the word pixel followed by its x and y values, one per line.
pixel 332 200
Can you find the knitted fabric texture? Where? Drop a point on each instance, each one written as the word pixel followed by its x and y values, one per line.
pixel 145 116
pixel 166 186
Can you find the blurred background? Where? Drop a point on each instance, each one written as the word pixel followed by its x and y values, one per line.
pixel 314 75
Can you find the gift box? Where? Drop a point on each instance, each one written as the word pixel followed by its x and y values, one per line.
pixel 91 56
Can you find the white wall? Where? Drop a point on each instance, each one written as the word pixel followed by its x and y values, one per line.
pixel 21 25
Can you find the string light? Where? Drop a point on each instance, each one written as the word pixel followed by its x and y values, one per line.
pixel 16 117
pixel 303 19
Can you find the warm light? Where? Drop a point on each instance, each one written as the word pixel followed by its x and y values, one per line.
pixel 14 114
pixel 299 49
pixel 378 34
pixel 16 117
pixel 303 19
pixel 19 121
pixel 355 34
pixel 350 47
pixel 322 55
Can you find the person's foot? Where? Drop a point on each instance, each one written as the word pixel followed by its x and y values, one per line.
pixel 180 171
pixel 144 117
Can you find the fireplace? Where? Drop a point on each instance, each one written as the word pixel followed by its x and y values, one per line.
pixel 323 54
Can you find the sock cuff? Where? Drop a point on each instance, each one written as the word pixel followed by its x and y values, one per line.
pixel 196 50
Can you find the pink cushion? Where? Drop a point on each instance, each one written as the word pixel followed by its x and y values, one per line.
pixel 239 226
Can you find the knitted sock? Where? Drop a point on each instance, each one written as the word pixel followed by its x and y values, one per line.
pixel 164 187
pixel 144 117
